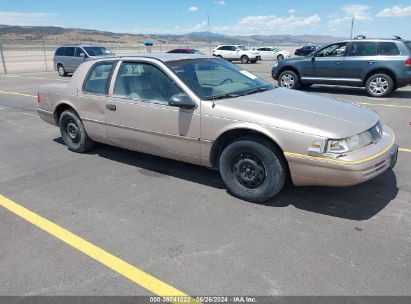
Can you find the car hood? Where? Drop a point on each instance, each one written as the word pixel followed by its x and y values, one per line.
pixel 300 112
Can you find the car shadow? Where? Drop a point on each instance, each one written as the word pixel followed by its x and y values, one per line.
pixel 338 90
pixel 360 202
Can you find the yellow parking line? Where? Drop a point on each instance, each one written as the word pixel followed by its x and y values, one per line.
pixel 129 271
pixel 31 77
pixel 384 105
pixel 18 94
pixel 404 150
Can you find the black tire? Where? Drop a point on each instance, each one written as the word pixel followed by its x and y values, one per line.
pixel 379 85
pixel 219 56
pixel 289 79
pixel 73 133
pixel 252 170
pixel 254 61
pixel 280 57
pixel 61 70
pixel 244 59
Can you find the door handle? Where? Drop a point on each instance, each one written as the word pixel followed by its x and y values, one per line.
pixel 371 62
pixel 338 62
pixel 111 107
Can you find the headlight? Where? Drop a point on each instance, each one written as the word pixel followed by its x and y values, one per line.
pixel 355 142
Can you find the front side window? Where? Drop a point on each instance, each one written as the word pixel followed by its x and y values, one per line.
pixel 97 51
pixel 362 49
pixel 144 82
pixel 97 80
pixel 242 47
pixel 334 50
pixel 388 49
pixel 211 78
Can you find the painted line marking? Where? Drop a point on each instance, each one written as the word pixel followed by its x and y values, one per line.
pixel 18 94
pixel 31 77
pixel 129 271
pixel 384 105
pixel 404 150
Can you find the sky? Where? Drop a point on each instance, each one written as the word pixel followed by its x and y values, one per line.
pixel 373 18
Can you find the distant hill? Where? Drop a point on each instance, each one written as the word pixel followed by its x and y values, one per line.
pixel 53 35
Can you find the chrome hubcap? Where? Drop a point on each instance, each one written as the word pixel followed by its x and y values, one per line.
pixel 287 81
pixel 61 70
pixel 379 86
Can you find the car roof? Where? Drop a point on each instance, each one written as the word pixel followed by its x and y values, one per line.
pixel 81 45
pixel 159 56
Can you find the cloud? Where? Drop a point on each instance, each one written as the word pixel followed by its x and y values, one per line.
pixel 292 11
pixel 360 12
pixel 193 8
pixel 220 2
pixel 199 26
pixel 263 25
pixel 395 11
pixel 27 19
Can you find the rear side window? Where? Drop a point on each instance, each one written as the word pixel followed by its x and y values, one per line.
pixel 224 48
pixel 59 52
pixel 69 51
pixel 388 49
pixel 362 49
pixel 98 78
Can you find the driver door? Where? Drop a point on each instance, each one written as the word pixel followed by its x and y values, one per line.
pixel 325 65
pixel 139 117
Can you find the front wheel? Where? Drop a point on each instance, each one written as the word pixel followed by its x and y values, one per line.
pixel 379 85
pixel 289 79
pixel 244 59
pixel 280 57
pixel 253 171
pixel 73 133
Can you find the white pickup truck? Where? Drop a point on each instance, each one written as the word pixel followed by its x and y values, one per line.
pixel 236 53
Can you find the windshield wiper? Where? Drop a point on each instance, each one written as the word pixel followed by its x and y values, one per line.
pixel 223 96
pixel 258 90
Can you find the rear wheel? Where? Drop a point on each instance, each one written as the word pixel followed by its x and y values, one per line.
pixel 280 57
pixel 289 79
pixel 244 59
pixel 60 69
pixel 73 133
pixel 252 170
pixel 379 85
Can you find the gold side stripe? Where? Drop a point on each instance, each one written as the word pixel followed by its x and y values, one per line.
pixel 341 161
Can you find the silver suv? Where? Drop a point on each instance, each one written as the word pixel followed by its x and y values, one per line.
pixel 68 58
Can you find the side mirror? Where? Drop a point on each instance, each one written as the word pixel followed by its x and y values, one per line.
pixel 82 55
pixel 181 100
pixel 312 57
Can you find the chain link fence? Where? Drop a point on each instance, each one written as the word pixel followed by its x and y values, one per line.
pixel 38 57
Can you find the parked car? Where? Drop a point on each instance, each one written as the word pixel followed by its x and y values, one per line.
pixel 272 53
pixel 68 58
pixel 236 53
pixel 186 51
pixel 209 112
pixel 379 65
pixel 306 50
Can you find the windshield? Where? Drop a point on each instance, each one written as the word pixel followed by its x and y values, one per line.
pixel 408 43
pixel 212 78
pixel 242 47
pixel 97 51
pixel 198 52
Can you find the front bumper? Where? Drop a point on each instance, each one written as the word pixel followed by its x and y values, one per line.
pixel 358 167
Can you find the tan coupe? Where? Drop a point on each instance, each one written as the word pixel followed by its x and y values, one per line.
pixel 210 112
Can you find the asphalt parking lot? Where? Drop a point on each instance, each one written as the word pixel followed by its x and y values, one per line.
pixel 176 222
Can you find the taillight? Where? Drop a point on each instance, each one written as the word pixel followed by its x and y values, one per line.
pixel 38 97
pixel 408 62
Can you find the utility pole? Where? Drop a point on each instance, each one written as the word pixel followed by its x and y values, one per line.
pixel 352 26
pixel 2 58
pixel 208 28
